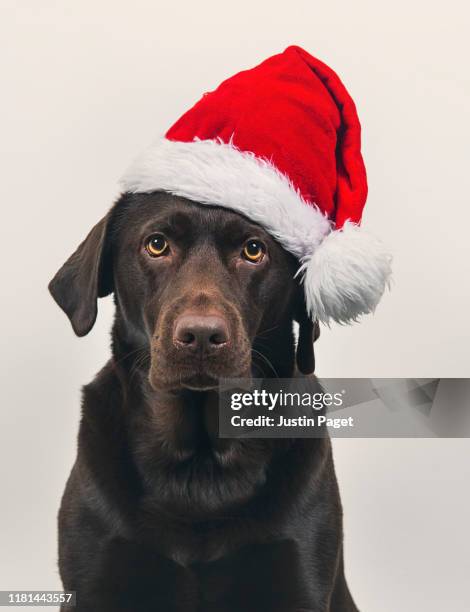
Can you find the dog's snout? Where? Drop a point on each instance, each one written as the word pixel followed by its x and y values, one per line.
pixel 200 332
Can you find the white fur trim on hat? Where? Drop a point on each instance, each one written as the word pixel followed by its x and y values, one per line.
pixel 217 173
pixel 344 272
pixel 346 276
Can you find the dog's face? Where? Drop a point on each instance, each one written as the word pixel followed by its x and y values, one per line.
pixel 193 284
pixel 205 280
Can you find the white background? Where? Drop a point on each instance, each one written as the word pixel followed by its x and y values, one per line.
pixel 84 87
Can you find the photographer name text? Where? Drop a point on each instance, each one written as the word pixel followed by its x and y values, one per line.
pixel 282 421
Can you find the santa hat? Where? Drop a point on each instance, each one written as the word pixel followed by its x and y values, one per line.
pixel 281 144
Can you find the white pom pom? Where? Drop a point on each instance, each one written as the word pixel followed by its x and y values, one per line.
pixel 346 275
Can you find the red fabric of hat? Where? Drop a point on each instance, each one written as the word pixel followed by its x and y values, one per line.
pixel 295 112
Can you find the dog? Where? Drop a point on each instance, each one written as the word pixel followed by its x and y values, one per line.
pixel 159 513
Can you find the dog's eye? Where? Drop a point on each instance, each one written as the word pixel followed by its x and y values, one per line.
pixel 253 251
pixel 157 245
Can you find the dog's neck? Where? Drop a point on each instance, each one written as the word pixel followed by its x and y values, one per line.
pixel 175 431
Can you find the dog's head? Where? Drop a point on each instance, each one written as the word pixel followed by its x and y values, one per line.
pixel 194 285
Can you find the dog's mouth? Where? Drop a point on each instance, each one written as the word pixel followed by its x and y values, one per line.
pixel 193 380
pixel 199 381
pixel 200 375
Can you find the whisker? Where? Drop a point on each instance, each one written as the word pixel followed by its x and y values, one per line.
pixel 137 350
pixel 266 360
pixel 263 332
pixel 139 361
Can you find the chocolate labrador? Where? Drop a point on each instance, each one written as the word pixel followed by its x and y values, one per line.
pixel 158 512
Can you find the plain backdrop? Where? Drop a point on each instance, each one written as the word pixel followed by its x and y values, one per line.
pixel 84 87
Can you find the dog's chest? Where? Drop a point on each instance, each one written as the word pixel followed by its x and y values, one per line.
pixel 266 576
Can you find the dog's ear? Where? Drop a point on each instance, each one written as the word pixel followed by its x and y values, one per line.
pixel 309 332
pixel 84 277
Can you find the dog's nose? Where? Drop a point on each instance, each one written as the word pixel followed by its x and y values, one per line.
pixel 200 332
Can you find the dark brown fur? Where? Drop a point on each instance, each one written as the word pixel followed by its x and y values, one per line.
pixel 159 513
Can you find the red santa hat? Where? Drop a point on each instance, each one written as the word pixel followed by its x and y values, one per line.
pixel 281 144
